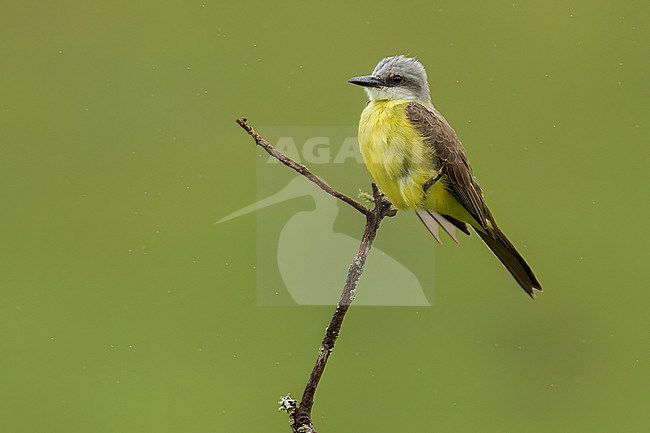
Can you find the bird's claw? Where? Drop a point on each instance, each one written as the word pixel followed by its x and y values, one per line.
pixel 436 177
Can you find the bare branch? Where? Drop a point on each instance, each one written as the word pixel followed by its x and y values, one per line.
pixel 243 122
pixel 301 418
pixel 300 415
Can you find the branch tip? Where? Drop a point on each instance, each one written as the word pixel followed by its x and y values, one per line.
pixel 299 168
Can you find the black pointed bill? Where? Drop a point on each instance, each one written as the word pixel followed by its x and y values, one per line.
pixel 366 81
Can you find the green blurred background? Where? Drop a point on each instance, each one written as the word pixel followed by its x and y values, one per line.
pixel 123 308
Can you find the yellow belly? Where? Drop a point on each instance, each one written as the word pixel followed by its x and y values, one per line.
pixel 400 162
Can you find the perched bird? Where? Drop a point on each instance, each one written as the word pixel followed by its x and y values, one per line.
pixel 417 160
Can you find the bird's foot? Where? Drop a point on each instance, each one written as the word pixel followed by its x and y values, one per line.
pixel 381 200
pixel 429 183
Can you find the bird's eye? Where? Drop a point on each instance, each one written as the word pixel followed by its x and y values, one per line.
pixel 397 79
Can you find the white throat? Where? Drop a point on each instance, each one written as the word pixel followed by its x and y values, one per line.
pixel 384 93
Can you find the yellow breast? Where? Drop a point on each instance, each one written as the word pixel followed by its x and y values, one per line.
pixel 395 153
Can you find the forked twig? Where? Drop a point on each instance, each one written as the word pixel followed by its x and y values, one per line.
pixel 300 415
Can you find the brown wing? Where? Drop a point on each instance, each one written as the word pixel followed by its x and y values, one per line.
pixel 463 186
pixel 450 155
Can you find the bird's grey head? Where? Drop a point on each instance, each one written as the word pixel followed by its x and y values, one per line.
pixel 396 77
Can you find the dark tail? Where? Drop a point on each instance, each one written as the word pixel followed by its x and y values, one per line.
pixel 512 260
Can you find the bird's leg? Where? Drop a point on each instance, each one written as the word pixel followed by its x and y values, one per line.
pixel 429 183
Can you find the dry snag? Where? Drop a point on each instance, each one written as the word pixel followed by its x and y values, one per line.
pixel 300 414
